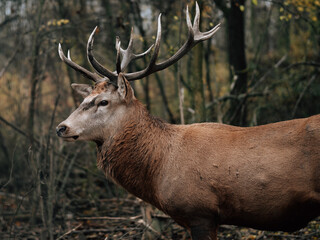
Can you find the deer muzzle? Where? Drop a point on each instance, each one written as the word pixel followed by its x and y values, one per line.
pixel 62 131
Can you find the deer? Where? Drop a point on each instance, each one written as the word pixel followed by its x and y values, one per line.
pixel 203 174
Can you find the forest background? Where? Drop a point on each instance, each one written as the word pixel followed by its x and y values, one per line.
pixel 262 66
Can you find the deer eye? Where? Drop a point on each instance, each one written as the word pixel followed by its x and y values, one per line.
pixel 103 103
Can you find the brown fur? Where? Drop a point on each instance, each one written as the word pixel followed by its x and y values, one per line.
pixel 265 177
pixel 204 175
pixel 139 151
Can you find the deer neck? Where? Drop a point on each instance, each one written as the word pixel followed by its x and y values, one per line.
pixel 134 155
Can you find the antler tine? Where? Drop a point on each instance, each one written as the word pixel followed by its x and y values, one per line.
pixel 95 64
pixel 155 54
pixel 210 33
pixel 194 37
pixel 149 69
pixel 199 36
pixel 196 21
pixel 93 76
pixel 118 61
pixel 189 25
pixel 128 55
pixel 157 44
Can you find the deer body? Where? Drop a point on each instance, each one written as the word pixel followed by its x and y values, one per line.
pixel 213 174
pixel 202 175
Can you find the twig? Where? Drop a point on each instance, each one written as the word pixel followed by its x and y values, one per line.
pixel 302 94
pixel 17 210
pixel 14 127
pixel 110 218
pixel 6 65
pixel 103 230
pixel 277 65
pixel 242 101
pixel 285 236
pixel 149 227
pixel 241 96
pixel 66 176
pixel 70 231
pixel 8 20
pixel 116 199
pixel 38 142
pixel 11 169
pixel 313 64
pixel 11 195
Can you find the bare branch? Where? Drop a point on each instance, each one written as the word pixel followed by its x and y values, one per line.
pixel 110 218
pixel 70 231
pixel 312 64
pixel 6 65
pixel 311 80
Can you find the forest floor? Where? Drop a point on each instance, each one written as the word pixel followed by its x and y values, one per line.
pixel 124 221
pixel 90 207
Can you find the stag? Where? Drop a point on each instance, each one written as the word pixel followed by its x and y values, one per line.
pixel 202 175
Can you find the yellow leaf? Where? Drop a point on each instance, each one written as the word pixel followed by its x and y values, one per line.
pixel 241 8
pixel 255 2
pixel 300 9
pixel 65 21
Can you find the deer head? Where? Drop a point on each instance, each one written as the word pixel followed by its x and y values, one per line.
pixel 99 114
pixel 107 103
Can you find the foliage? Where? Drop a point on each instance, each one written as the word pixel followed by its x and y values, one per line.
pixel 308 9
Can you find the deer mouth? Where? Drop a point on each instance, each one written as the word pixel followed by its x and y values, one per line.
pixel 70 138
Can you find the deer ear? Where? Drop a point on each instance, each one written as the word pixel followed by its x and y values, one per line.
pixel 82 89
pixel 124 88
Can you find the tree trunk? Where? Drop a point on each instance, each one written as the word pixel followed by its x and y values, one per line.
pixel 197 84
pixel 35 73
pixel 207 54
pixel 165 99
pixel 234 15
pixel 237 60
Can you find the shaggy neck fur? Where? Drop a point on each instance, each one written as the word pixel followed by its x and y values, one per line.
pixel 133 157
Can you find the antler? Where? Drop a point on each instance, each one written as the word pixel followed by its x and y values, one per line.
pixel 194 37
pixel 93 76
pixel 127 55
pixel 95 64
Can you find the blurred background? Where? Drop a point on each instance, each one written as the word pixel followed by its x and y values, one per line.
pixel 262 66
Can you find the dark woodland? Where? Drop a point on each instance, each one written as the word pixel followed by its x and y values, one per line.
pixel 262 66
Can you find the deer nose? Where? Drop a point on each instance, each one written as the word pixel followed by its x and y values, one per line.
pixel 60 130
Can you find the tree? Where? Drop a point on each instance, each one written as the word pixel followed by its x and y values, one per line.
pixel 234 15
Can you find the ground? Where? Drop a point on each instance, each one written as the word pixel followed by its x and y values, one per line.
pixel 120 218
